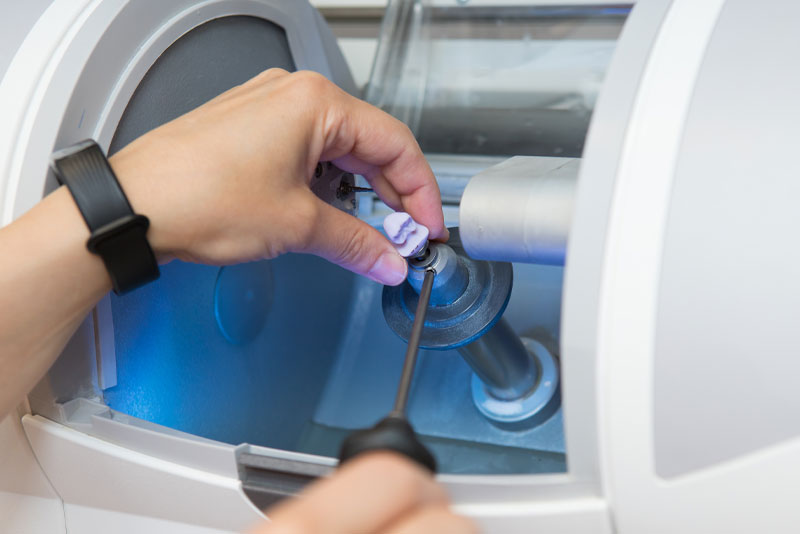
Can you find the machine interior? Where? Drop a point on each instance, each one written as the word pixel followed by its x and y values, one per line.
pixel 293 353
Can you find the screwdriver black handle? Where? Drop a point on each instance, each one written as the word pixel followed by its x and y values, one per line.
pixel 393 433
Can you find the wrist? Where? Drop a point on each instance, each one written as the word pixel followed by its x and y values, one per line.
pixel 148 200
pixel 118 234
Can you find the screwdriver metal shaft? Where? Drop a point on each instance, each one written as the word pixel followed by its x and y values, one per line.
pixel 394 432
pixel 401 400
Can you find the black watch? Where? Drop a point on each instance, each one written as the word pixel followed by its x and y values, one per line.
pixel 119 236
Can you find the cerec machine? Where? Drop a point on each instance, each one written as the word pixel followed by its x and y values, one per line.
pixel 617 350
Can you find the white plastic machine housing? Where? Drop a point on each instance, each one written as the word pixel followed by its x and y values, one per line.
pixel 678 336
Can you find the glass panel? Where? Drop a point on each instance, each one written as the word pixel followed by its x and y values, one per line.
pixel 494 80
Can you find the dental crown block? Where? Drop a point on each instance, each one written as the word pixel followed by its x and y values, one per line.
pixel 408 236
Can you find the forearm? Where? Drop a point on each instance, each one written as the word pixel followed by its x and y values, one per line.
pixel 218 188
pixel 49 281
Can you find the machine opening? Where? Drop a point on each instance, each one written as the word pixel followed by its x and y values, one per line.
pixel 314 358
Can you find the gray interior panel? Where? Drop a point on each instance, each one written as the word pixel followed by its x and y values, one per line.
pixel 177 364
pixel 202 64
pixel 728 337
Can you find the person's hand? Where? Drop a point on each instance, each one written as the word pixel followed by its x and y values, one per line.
pixel 379 493
pixel 228 182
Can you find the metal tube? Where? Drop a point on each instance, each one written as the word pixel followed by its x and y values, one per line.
pixel 498 357
pixel 401 400
pixel 502 363
pixel 520 210
pixel 452 276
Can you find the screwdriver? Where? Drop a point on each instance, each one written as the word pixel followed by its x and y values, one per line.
pixel 394 432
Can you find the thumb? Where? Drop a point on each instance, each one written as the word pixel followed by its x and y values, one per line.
pixel 353 244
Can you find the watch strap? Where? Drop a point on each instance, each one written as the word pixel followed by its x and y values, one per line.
pixel 118 235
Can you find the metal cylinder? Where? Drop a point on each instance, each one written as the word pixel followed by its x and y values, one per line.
pixel 452 275
pixel 468 296
pixel 520 210
pixel 506 368
pixel 498 357
pixel 531 409
pixel 515 381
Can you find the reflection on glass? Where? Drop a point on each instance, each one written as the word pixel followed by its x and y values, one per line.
pixel 494 79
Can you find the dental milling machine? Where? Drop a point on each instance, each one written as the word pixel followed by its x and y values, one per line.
pixel 606 344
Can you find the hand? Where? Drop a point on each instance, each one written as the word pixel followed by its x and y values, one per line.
pixel 379 493
pixel 228 182
pixel 225 183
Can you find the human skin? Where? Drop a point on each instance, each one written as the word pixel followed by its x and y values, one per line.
pixel 227 183
pixel 379 493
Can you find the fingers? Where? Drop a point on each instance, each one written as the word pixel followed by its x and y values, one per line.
pixel 353 244
pixel 363 139
pixel 382 187
pixel 366 495
pixel 438 519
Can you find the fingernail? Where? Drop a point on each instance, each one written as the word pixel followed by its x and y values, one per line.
pixel 390 269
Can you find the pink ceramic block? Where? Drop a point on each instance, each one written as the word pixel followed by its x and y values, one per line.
pixel 409 237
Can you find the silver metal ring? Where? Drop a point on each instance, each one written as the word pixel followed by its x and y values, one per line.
pixel 528 411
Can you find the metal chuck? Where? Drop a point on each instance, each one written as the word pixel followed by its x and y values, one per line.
pixel 516 381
